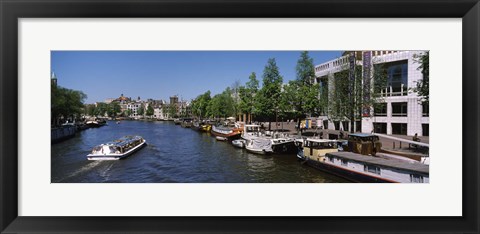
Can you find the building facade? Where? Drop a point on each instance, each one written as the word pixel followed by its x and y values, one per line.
pixel 399 110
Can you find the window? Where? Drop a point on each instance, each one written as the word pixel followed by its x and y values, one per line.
pixel 416 178
pixel 399 128
pixel 345 125
pixel 380 127
pixel 372 169
pixel 330 159
pixel 380 109
pixel 397 77
pixel 425 130
pixel 425 109
pixel 399 109
pixel 344 162
pixel 337 125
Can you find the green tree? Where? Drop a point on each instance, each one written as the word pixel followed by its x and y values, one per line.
pixel 101 109
pixel 248 94
pixel 150 111
pixel 267 102
pixel 304 93
pixel 128 112
pixel 235 93
pixel 113 109
pixel 222 105
pixel 345 100
pixel 305 69
pixel 89 109
pixel 66 103
pixel 422 87
pixel 199 105
pixel 141 110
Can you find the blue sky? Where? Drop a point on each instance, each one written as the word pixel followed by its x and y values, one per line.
pixel 161 74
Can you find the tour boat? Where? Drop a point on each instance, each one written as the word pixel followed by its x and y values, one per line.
pixel 117 149
pixel 324 155
pixel 229 133
pixel 240 143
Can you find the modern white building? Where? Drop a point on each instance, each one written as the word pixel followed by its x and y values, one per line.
pixel 402 111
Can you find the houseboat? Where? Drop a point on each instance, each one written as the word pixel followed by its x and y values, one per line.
pixel 117 149
pixel 226 132
pixel 324 155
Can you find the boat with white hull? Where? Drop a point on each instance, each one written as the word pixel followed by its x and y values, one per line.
pixel 117 149
pixel 259 146
pixel 324 155
pixel 279 143
pixel 239 143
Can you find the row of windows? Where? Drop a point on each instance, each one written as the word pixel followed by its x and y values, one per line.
pixel 398 109
pixel 377 170
pixel 399 128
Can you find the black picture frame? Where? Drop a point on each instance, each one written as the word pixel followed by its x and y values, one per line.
pixel 11 11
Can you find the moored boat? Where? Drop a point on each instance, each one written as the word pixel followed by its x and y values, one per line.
pixel 280 143
pixel 226 132
pixel 240 143
pixel 187 123
pixel 284 145
pixel 206 127
pixel 96 123
pixel 324 155
pixel 219 138
pixel 259 146
pixel 177 121
pixel 117 149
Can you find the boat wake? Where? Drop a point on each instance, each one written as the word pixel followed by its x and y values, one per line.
pixel 89 166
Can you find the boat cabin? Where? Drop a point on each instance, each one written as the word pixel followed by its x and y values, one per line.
pixel 315 149
pixel 119 146
pixel 362 143
pixel 251 130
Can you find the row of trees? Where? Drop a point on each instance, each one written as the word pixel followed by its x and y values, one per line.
pixel 269 102
pixel 299 98
pixel 65 104
pixel 346 100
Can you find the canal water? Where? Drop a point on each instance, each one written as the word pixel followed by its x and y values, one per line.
pixel 174 155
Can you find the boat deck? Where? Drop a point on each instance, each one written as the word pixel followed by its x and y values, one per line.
pixel 382 161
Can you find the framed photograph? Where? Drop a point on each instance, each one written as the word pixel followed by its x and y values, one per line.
pixel 227 116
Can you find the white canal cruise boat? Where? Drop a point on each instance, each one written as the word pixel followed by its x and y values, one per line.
pixel 324 155
pixel 117 149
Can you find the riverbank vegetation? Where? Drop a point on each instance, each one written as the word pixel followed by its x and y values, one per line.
pixel 65 104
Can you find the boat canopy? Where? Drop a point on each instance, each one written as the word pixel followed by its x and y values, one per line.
pixel 124 141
